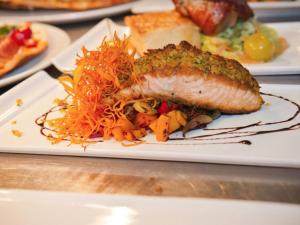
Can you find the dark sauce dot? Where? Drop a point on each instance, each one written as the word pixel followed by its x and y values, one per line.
pixel 245 142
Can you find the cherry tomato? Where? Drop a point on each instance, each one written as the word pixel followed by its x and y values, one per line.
pixel 20 36
pixel 17 37
pixel 26 32
pixel 258 47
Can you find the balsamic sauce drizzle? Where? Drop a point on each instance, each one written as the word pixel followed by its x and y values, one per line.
pixel 41 121
pixel 232 132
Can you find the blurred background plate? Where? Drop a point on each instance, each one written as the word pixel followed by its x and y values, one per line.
pixel 264 11
pixel 61 16
pixel 286 63
pixel 58 40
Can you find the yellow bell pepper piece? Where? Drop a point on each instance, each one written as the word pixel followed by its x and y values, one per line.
pixel 118 133
pixel 174 124
pixel 162 128
pixel 181 118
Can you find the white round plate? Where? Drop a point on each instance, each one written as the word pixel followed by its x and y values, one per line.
pixel 62 16
pixel 57 41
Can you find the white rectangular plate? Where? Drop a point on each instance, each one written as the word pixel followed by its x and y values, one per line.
pixel 49 208
pixel 287 63
pixel 276 145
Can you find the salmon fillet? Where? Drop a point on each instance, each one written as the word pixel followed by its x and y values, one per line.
pixel 186 74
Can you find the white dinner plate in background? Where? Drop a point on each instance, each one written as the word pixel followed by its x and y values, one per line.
pixel 58 40
pixel 62 16
pixel 49 208
pixel 286 63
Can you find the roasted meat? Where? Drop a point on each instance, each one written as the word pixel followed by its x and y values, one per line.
pixel 185 74
pixel 213 16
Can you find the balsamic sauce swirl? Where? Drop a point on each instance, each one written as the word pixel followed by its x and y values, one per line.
pixel 238 132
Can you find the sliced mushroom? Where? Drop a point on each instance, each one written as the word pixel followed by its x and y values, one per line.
pixel 200 120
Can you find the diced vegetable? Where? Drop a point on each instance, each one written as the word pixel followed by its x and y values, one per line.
pixel 174 124
pixel 118 133
pixel 167 123
pixel 129 136
pixel 139 133
pixel 162 128
pixel 144 119
pixel 181 118
pixel 153 125
pixel 125 124
pixel 164 108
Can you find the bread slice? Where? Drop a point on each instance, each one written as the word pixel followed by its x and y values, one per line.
pixel 61 4
pixel 156 30
pixel 24 54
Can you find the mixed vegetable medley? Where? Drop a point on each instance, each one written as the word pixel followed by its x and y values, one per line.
pixel 247 41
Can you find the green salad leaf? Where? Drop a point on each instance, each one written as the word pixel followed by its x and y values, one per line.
pixel 6 29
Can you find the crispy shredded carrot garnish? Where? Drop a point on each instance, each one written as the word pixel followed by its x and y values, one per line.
pixel 59 102
pixel 94 109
